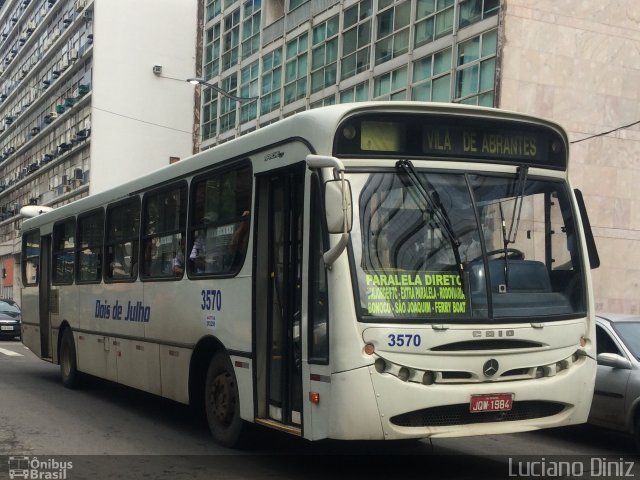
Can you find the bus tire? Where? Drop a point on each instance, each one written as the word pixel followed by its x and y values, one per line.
pixel 68 364
pixel 222 402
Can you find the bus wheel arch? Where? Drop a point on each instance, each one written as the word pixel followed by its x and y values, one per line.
pixel 222 401
pixel 213 391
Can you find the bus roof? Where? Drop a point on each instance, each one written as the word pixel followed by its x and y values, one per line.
pixel 316 127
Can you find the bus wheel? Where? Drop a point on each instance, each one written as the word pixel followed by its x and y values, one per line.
pixel 68 366
pixel 222 402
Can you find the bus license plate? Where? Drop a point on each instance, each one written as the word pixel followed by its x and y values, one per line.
pixel 498 402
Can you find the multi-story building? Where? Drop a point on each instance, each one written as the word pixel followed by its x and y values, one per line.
pixel 300 54
pixel 575 62
pixel 85 102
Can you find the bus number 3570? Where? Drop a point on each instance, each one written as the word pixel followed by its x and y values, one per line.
pixel 404 340
pixel 211 299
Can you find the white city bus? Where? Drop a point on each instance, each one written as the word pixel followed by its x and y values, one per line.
pixel 362 271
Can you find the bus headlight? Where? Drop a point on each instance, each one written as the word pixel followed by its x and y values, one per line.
pixel 428 378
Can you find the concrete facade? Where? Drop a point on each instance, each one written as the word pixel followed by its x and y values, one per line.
pixel 578 62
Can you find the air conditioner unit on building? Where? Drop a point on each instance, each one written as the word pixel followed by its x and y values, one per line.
pixel 73 54
pixel 31 27
pixel 80 4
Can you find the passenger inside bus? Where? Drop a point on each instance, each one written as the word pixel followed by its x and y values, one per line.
pixel 178 259
pixel 240 239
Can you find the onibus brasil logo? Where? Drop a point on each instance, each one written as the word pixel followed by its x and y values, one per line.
pixel 34 468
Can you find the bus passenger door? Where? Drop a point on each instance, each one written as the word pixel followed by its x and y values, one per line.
pixel 278 297
pixel 45 297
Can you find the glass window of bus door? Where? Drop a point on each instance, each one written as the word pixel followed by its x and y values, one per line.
pixel 318 333
pixel 121 240
pixel 164 221
pixel 89 245
pixel 64 234
pixel 31 254
pixel 407 248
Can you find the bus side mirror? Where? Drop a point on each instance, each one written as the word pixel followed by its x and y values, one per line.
pixel 338 206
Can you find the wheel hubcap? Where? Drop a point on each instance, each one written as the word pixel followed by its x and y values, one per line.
pixel 222 398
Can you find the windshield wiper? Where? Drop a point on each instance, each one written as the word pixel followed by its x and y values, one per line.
pixel 515 220
pixel 432 200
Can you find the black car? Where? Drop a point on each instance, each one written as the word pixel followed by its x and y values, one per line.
pixel 10 319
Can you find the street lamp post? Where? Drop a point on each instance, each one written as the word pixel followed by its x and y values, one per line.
pixel 200 81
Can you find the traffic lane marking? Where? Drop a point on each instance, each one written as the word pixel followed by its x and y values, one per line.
pixel 10 353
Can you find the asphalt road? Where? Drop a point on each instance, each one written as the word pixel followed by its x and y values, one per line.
pixel 110 431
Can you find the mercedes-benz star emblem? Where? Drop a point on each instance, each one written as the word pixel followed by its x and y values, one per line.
pixel 490 367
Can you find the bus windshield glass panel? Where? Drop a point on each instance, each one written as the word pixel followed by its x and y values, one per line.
pixel 434 246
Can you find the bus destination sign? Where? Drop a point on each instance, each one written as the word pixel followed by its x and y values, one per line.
pixel 483 143
pixel 450 138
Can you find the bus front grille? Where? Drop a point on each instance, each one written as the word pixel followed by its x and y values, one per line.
pixel 460 415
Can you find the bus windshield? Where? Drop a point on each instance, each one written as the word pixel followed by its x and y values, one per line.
pixel 460 247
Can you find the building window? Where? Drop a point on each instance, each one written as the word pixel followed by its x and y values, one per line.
pixel 296 69
pixel 293 4
pixel 209 113
pixel 213 8
pixel 356 39
pixel 271 81
pixel 231 39
pixel 472 11
pixel 251 28
pixel 249 88
pixel 212 52
pixel 358 93
pixel 476 72
pixel 434 19
pixel 228 106
pixel 391 85
pixel 392 38
pixel 330 100
pixel 432 78
pixel 324 54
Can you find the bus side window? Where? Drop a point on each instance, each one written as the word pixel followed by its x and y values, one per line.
pixel 163 231
pixel 89 245
pixel 123 222
pixel 219 222
pixel 31 252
